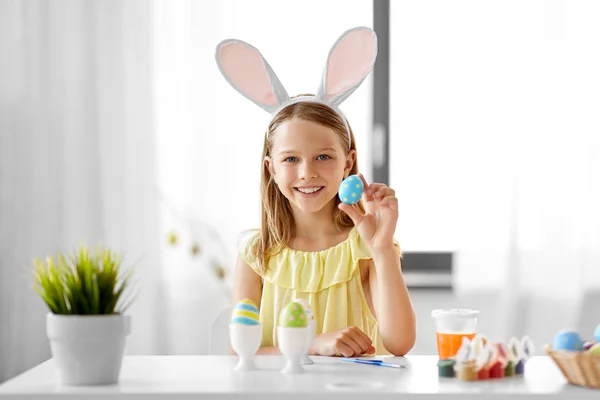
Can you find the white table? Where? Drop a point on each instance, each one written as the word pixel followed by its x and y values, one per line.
pixel 201 377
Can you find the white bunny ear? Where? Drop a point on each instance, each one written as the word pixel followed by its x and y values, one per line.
pixel 249 73
pixel 349 62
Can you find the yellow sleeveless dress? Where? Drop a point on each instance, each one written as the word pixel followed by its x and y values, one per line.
pixel 329 280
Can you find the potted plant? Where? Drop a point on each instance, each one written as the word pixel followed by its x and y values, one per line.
pixel 87 293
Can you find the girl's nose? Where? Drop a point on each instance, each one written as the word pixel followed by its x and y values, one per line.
pixel 307 171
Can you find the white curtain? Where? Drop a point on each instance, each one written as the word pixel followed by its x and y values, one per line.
pixel 495 136
pixel 77 156
pixel 554 253
pixel 117 127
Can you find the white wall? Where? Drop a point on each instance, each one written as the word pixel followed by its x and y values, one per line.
pixel 494 132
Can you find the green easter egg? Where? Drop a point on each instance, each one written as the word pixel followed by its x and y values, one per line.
pixel 293 316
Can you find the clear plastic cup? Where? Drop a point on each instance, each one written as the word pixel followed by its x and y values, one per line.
pixel 451 327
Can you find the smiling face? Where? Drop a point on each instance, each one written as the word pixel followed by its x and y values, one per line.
pixel 308 162
pixel 310 130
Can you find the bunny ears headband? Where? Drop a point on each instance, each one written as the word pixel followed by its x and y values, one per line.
pixel 349 62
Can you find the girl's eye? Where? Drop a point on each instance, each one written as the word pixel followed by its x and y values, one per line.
pixel 291 159
pixel 323 157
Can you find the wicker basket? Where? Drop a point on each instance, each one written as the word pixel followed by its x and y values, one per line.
pixel 579 367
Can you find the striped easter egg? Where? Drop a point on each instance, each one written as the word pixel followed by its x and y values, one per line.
pixel 245 313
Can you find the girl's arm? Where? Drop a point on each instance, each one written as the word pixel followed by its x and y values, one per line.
pixel 268 351
pixel 390 297
pixel 391 301
pixel 248 285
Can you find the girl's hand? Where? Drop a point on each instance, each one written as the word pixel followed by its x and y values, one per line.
pixel 378 224
pixel 349 342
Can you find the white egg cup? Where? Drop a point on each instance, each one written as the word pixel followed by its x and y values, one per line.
pixel 245 341
pixel 293 343
pixel 312 332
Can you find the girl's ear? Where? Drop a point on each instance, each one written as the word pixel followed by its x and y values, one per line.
pixel 350 160
pixel 269 164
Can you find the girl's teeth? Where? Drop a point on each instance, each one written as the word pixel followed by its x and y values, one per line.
pixel 308 191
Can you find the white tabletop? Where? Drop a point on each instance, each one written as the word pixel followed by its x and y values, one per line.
pixel 201 377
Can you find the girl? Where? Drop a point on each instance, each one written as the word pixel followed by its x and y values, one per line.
pixel 342 259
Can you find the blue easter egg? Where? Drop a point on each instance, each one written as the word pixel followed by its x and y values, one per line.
pixel 567 340
pixel 351 189
pixel 597 334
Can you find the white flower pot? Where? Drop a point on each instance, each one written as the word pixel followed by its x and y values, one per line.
pixel 87 349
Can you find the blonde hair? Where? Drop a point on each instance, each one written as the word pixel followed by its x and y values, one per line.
pixel 276 220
